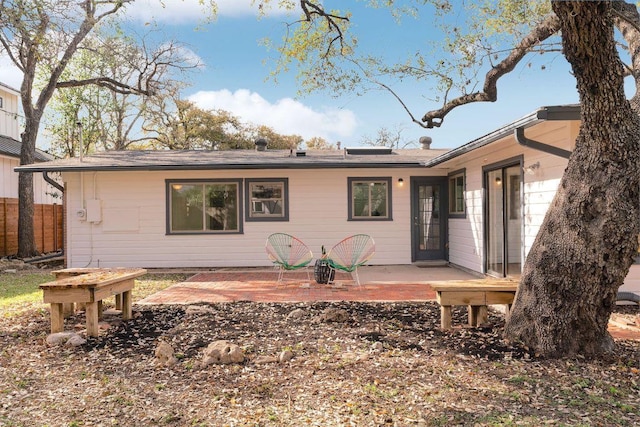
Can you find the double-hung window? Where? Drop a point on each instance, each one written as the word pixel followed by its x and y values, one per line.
pixel 369 199
pixel 456 194
pixel 267 199
pixel 204 206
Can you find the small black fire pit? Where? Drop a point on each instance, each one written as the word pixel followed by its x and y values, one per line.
pixel 322 271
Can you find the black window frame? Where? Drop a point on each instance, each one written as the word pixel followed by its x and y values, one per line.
pixel 461 173
pixel 239 200
pixel 248 200
pixel 369 180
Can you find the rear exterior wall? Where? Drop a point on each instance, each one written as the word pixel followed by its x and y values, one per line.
pixel 133 217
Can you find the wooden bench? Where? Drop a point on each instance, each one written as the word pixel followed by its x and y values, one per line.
pixel 69 308
pixel 476 295
pixel 89 287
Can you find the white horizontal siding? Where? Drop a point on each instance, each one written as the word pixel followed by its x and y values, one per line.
pixel 9 122
pixel 466 235
pixel 9 183
pixel 632 281
pixel 317 214
pixel 43 192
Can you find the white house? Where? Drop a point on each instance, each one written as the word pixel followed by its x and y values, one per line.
pixel 478 206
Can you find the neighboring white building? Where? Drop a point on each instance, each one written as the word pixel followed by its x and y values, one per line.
pixel 47 198
pixel 10 145
pixel 478 206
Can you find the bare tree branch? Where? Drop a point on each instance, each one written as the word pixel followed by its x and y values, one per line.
pixel 88 23
pixel 108 83
pixel 312 10
pixel 489 92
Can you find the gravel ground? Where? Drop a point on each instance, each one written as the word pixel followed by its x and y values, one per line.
pixel 381 364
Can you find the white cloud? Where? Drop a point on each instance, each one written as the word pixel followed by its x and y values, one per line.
pixel 286 116
pixel 182 11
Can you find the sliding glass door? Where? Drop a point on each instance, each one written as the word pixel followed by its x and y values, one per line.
pixel 503 220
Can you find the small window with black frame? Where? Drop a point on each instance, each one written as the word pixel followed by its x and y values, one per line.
pixel 267 199
pixel 369 199
pixel 457 207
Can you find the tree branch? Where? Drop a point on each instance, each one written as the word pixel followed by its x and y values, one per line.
pixel 88 23
pixel 627 20
pixel 108 83
pixel 489 92
pixel 310 9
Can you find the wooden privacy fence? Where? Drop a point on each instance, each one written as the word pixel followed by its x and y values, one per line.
pixel 48 226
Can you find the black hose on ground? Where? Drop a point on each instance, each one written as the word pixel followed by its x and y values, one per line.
pixel 628 296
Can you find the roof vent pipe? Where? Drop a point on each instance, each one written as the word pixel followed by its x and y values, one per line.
pixel 425 142
pixel 261 144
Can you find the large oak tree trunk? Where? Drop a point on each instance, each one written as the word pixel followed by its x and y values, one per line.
pixel 26 236
pixel 587 242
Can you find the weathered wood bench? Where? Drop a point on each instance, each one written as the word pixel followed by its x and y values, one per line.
pixel 70 308
pixel 89 287
pixel 476 295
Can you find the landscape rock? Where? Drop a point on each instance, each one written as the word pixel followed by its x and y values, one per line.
pixel 111 312
pixel 377 347
pixel 333 314
pixel 298 313
pixel 164 354
pixel 285 356
pixel 75 341
pixel 222 353
pixel 261 360
pixel 65 338
pixel 8 265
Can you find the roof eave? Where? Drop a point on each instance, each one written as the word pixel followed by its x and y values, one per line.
pixel 563 112
pixel 107 168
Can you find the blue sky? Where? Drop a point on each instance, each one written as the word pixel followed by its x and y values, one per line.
pixel 236 67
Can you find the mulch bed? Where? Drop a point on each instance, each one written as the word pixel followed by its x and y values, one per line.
pixel 387 364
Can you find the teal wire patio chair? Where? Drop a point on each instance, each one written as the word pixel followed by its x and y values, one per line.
pixel 288 253
pixel 351 253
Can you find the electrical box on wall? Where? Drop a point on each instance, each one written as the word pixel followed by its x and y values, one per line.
pixel 94 210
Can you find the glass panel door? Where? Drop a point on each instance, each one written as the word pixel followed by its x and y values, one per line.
pixel 513 221
pixel 429 219
pixel 495 223
pixel 504 221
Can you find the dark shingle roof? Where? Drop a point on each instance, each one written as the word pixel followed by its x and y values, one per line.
pixel 235 159
pixel 11 147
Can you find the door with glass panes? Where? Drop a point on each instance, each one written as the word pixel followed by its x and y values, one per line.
pixel 429 218
pixel 503 220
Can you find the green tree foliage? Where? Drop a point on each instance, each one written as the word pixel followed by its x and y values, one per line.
pixel 179 124
pixel 318 143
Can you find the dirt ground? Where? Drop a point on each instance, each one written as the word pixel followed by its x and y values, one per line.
pixel 377 364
